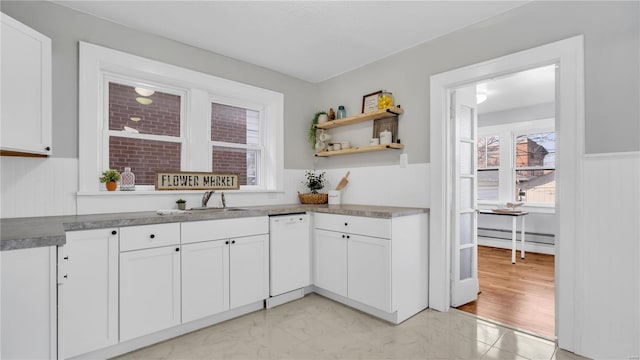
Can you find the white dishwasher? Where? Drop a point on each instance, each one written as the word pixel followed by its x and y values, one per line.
pixel 290 253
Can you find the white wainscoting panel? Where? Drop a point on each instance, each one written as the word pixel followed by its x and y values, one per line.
pixel 608 271
pixel 38 186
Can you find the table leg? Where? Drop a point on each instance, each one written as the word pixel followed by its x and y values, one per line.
pixel 522 240
pixel 513 240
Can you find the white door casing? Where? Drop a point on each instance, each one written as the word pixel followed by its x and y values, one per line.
pixel 569 55
pixel 464 261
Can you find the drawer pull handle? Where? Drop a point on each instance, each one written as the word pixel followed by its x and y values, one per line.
pixel 233 241
pixel 66 257
pixel 48 148
pixel 177 249
pixel 152 236
pixel 114 232
pixel 348 237
pixel 343 236
pixel 345 224
pixel 226 242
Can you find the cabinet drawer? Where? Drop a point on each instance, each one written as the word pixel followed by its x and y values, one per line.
pixel 197 231
pixel 376 227
pixel 149 236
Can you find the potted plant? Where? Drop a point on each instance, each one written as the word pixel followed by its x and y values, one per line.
pixel 314 182
pixel 312 130
pixel 110 178
pixel 182 204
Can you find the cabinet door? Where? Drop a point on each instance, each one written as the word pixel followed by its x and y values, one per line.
pixel 205 279
pixel 88 305
pixel 28 303
pixel 249 270
pixel 330 261
pixel 369 271
pixel 149 291
pixel 26 89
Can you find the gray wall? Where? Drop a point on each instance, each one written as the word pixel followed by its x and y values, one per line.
pixel 66 27
pixel 611 31
pixel 527 113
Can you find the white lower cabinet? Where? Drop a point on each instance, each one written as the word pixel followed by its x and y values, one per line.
pixel 249 270
pixel 149 279
pixel 330 261
pixel 369 271
pixel 88 292
pixel 28 303
pixel 205 279
pixel 225 265
pixel 378 265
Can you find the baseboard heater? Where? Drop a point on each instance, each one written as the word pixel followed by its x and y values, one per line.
pixel 531 237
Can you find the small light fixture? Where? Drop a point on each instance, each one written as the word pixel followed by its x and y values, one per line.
pixel 144 100
pixel 144 92
pixel 481 97
pixel 135 118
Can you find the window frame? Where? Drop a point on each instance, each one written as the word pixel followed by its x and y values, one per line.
pixel 97 64
pixel 507 169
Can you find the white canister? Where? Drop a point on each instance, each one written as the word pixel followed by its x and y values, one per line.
pixel 323 118
pixel 345 145
pixel 334 197
pixel 385 137
pixel 374 141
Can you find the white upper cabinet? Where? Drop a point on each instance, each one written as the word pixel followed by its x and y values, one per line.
pixel 26 90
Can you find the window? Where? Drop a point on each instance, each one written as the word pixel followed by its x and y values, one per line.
pixel 151 116
pixel 535 167
pixel 488 167
pixel 235 137
pixel 144 131
pixel 517 161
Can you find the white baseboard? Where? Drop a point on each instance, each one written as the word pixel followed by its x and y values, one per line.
pixel 138 343
pixel 284 298
pixel 528 246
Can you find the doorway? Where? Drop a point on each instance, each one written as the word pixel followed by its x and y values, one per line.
pixel 568 54
pixel 514 151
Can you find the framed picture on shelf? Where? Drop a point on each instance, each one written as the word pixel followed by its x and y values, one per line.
pixel 370 102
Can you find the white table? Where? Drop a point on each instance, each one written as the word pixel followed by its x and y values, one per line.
pixel 514 216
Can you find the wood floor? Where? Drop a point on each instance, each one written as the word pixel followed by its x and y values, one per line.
pixel 520 295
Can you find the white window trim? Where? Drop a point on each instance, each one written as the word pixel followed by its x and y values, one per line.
pixel 96 62
pixel 508 134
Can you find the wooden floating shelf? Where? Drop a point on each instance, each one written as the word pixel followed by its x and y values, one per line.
pixel 373 115
pixel 361 149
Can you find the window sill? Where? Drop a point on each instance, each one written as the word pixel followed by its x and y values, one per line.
pixel 170 193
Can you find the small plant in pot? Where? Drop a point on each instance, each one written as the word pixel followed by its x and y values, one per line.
pixel 110 178
pixel 182 204
pixel 314 182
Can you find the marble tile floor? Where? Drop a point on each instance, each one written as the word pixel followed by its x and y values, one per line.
pixel 315 327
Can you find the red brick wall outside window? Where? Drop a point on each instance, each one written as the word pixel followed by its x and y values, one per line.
pixel 162 117
pixel 238 126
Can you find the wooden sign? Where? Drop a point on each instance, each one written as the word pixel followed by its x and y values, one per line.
pixel 189 180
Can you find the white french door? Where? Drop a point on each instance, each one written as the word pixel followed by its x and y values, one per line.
pixel 464 269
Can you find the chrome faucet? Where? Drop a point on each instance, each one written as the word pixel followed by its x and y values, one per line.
pixel 206 197
pixel 224 203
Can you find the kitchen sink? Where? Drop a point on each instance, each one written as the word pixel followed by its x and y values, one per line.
pixel 216 209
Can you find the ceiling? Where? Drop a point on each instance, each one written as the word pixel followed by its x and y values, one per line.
pixel 309 40
pixel 525 88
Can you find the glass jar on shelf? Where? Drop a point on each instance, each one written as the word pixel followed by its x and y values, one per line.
pixel 385 100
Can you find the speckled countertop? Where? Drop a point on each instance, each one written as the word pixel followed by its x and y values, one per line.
pixel 22 233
